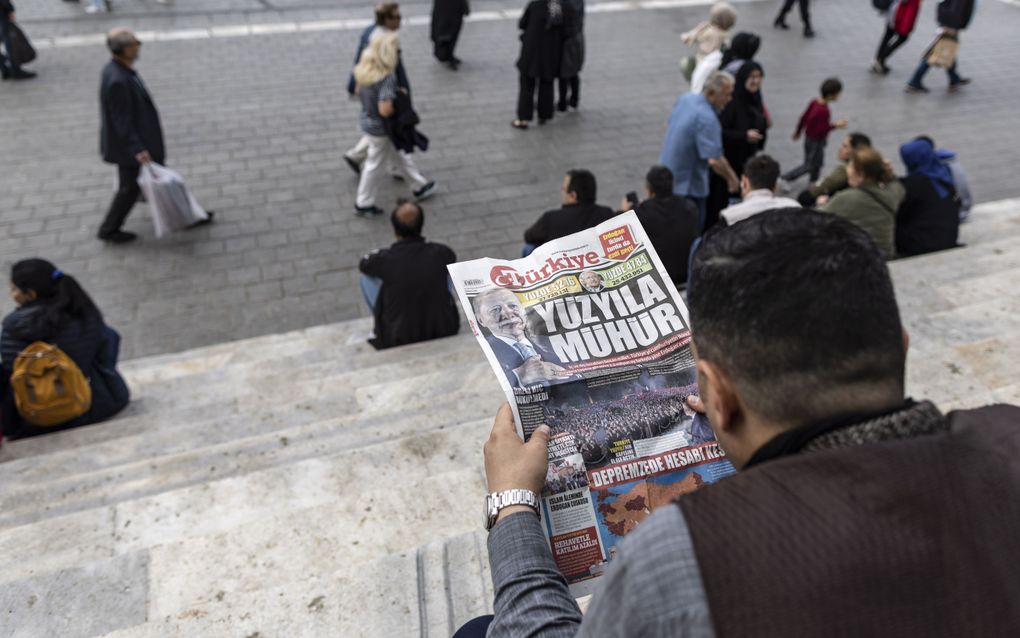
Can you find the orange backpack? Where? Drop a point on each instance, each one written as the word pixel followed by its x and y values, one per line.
pixel 49 388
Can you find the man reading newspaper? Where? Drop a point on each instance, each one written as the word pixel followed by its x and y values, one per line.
pixel 856 511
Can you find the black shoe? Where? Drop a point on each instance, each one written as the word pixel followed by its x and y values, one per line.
pixel 780 23
pixel 561 107
pixel 203 222
pixel 455 60
pixel 425 192
pixel 955 86
pixel 453 65
pixel 118 237
pixel 22 74
pixel 354 165
pixel 916 88
pixel 5 72
pixel 809 32
pixel 368 211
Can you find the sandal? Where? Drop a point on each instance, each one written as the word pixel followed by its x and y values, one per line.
pixel 520 124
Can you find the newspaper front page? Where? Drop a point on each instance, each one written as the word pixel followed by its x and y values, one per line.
pixel 589 336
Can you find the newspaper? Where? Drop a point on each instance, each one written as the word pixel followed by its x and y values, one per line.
pixel 589 336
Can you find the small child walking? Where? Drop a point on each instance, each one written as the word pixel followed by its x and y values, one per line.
pixel 816 125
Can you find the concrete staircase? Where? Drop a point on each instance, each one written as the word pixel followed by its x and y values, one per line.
pixel 304 484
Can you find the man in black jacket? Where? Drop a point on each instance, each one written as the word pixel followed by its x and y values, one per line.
pixel 131 134
pixel 671 222
pixel 579 212
pixel 407 285
pixel 9 67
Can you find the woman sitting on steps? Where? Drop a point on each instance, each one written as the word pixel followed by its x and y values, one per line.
pixel 53 308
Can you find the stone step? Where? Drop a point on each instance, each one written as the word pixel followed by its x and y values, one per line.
pixel 165 410
pixel 377 581
pixel 428 591
pixel 250 349
pixel 466 394
pixel 242 513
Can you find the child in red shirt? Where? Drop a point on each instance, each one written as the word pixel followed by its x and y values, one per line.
pixel 815 124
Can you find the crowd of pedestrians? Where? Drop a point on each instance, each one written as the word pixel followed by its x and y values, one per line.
pixel 712 169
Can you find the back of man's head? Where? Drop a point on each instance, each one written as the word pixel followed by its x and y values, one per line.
pixel 660 181
pixel 582 183
pixel 762 172
pixel 407 219
pixel 797 307
pixel 859 140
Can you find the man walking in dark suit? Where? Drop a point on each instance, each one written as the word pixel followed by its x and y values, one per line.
pixel 131 134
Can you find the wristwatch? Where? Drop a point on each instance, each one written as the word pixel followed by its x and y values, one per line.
pixel 496 501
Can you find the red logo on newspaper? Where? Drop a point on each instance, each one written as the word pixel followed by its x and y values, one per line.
pixel 509 277
pixel 618 243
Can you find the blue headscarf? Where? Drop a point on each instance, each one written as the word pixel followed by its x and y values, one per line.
pixel 919 157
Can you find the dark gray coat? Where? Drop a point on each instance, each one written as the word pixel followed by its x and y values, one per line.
pixel 130 122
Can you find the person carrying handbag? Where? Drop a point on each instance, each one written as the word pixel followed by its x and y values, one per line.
pixel 953 17
pixel 10 64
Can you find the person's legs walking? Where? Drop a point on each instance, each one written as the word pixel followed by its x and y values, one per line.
pixel 125 198
pixel 814 152
pixel 368 184
pixel 575 91
pixel 954 77
pixel 8 64
pixel 561 85
pixel 781 18
pixel 406 168
pixel 915 80
pixel 526 98
pixel 356 155
pixel 545 100
pixel 804 168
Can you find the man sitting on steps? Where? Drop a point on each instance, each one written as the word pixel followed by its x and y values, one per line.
pixel 856 511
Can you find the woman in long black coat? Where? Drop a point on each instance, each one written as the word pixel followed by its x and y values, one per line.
pixel 447 19
pixel 543 26
pixel 573 57
pixel 744 125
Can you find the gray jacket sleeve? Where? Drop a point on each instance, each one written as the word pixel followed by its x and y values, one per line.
pixel 652 588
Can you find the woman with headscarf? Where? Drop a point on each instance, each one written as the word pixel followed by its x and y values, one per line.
pixel 929 216
pixel 744 130
pixel 900 20
pixel 743 49
pixel 544 25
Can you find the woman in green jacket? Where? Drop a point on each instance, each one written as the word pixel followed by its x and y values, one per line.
pixel 872 199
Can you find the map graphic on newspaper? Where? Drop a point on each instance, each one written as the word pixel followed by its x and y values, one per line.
pixel 589 336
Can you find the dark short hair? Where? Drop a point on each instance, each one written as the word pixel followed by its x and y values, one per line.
pixel 582 184
pixel 412 229
pixel 762 171
pixel 926 138
pixel 798 308
pixel 660 181
pixel 384 11
pixel 831 87
pixel 859 140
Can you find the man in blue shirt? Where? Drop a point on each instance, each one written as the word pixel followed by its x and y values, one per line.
pixel 693 142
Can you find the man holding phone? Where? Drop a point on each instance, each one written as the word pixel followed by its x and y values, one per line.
pixel 671 221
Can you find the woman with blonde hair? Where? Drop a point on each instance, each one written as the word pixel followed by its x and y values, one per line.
pixel 377 88
pixel 872 199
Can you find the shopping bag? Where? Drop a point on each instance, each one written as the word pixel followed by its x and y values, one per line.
pixel 21 49
pixel 943 52
pixel 172 206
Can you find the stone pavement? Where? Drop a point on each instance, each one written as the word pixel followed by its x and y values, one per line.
pixel 257 125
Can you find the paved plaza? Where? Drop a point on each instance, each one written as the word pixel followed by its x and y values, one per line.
pixel 256 118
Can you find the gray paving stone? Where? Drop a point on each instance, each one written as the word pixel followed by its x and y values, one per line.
pixel 257 125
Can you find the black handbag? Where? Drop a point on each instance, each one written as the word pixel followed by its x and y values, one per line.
pixel 22 51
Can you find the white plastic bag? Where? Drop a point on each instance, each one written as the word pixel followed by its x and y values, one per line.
pixel 172 206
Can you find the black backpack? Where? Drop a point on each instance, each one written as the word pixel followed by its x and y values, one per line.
pixel 955 14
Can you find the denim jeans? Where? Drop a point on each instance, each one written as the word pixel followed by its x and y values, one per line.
pixel 922 68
